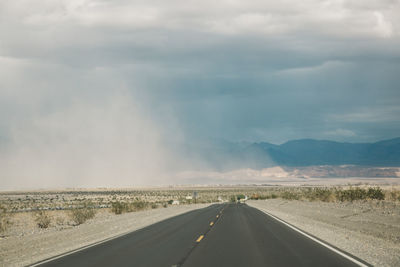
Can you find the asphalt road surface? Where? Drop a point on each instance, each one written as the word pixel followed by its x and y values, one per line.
pixel 219 235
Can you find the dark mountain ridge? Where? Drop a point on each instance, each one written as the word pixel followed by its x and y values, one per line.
pixel 296 153
pixel 308 152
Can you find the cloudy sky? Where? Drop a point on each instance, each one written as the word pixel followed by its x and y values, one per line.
pixel 89 86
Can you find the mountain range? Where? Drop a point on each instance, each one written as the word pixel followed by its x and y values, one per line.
pixel 298 153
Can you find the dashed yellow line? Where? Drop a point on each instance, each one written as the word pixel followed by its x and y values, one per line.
pixel 211 223
pixel 200 238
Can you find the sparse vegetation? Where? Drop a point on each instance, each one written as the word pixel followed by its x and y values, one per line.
pixel 5 219
pixel 329 194
pixel 118 207
pixel 82 214
pixel 83 205
pixel 42 219
pixel 60 221
pixel 290 195
pixel 322 194
pixel 375 193
pixel 351 194
pixel 393 195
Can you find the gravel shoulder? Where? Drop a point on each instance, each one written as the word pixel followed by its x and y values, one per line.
pixel 26 245
pixel 369 230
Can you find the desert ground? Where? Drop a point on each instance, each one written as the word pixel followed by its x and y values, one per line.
pixel 362 219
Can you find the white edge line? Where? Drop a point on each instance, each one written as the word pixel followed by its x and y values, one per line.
pixel 97 243
pixel 82 248
pixel 318 241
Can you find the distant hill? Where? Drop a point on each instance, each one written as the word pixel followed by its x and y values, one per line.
pixel 298 153
pixel 308 152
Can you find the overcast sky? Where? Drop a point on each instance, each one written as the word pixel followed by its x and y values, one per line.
pixel 87 82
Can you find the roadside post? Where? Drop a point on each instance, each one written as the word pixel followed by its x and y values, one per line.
pixel 195 196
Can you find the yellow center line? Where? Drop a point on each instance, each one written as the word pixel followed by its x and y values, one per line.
pixel 211 223
pixel 200 238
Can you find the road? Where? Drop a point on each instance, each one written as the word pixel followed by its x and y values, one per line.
pixel 219 235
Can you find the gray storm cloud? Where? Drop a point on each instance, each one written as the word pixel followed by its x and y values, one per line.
pixel 111 93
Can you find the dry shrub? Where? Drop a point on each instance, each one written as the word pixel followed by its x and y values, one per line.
pixel 330 194
pixel 352 194
pixel 42 219
pixel 273 196
pixel 375 193
pixel 255 196
pixel 339 194
pixel 289 195
pixel 81 215
pixel 121 207
pixel 393 195
pixel 320 194
pixel 139 205
pixel 60 221
pixel 5 219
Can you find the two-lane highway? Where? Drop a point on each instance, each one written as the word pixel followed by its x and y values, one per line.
pixel 219 235
pixel 245 236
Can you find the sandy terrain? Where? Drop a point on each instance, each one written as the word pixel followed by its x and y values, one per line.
pixel 369 230
pixel 26 244
pixel 315 176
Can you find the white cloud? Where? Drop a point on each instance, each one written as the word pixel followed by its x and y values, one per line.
pixel 334 18
pixel 249 23
pixel 383 27
pixel 369 115
pixel 314 70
